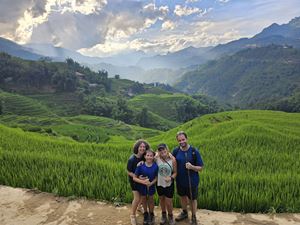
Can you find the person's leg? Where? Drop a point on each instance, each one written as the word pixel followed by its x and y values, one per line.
pixel 162 202
pixel 184 202
pixel 182 192
pixel 135 201
pixel 193 205
pixel 151 209
pixel 146 214
pixel 169 205
pixel 184 214
pixel 151 203
pixel 194 210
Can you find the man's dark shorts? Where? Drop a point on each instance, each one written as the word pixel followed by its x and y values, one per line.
pixel 133 185
pixel 167 191
pixel 185 191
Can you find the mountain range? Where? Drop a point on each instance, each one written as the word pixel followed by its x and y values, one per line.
pixel 285 34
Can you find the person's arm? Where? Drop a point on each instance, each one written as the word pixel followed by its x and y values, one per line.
pixel 130 168
pixel 193 167
pixel 139 178
pixel 141 181
pixel 153 182
pixel 174 174
pixel 199 163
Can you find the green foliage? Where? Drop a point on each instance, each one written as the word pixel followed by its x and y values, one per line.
pixel 251 162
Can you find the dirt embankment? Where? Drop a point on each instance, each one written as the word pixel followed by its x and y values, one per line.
pixel 27 207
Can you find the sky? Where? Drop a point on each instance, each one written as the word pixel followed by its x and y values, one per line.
pixel 109 27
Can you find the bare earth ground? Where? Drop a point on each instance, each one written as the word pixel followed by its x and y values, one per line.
pixel 28 207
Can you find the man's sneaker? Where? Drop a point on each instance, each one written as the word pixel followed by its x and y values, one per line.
pixel 146 218
pixel 183 215
pixel 163 219
pixel 132 220
pixel 194 220
pixel 171 220
pixel 151 219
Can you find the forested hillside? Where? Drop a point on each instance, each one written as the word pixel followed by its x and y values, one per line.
pixel 264 78
pixel 69 89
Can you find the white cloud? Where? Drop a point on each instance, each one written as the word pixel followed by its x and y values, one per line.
pixel 223 1
pixel 79 24
pixel 185 10
pixel 81 6
pixel 168 25
pixel 191 1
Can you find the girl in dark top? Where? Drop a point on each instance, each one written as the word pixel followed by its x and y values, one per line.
pixel 146 176
pixel 139 150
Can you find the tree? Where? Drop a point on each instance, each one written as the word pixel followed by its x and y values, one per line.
pixel 187 109
pixel 1 107
pixel 143 117
pixel 122 111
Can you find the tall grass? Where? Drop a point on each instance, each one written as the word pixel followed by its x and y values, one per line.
pixel 251 162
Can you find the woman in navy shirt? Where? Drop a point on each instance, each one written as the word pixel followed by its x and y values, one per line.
pixel 139 150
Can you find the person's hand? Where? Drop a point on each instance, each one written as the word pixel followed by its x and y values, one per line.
pixel 142 177
pixel 168 179
pixel 189 166
pixel 140 163
pixel 147 182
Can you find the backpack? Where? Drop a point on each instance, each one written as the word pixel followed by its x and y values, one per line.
pixel 193 153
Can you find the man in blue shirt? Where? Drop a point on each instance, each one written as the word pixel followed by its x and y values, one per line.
pixel 189 163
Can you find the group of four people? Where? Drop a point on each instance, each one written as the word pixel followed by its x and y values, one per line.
pixel 147 170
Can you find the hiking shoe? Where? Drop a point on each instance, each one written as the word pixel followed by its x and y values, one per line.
pixel 146 218
pixel 132 220
pixel 171 220
pixel 183 215
pixel 163 219
pixel 151 219
pixel 194 220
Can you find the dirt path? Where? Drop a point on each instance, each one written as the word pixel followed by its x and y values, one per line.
pixel 28 207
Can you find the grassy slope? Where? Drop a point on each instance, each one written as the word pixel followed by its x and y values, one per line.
pixel 83 128
pixel 251 162
pixel 31 115
pixel 20 105
pixel 162 104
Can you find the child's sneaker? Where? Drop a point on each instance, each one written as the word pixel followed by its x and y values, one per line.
pixel 132 220
pixel 146 218
pixel 163 219
pixel 171 220
pixel 194 220
pixel 151 218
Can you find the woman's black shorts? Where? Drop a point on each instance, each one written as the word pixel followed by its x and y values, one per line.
pixel 133 185
pixel 166 191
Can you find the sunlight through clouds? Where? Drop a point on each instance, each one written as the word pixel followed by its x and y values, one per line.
pixel 112 26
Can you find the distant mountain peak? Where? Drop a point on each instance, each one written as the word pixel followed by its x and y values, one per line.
pixel 295 22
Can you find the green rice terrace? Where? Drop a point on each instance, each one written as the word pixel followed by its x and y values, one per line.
pixel 251 159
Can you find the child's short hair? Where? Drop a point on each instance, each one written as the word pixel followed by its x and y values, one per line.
pixel 150 150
